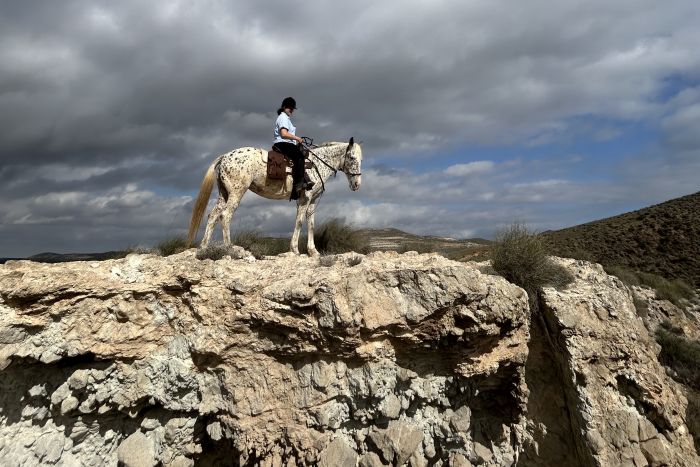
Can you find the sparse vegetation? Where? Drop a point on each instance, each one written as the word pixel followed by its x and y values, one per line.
pixel 660 239
pixel 334 237
pixel 471 253
pixel 692 416
pixel 680 353
pixel 396 240
pixel 258 245
pixel 640 306
pixel 522 258
pixel 419 248
pixel 215 251
pixel 171 246
pixel 250 240
pixel 675 291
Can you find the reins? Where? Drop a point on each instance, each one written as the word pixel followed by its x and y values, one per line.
pixel 335 171
pixel 307 143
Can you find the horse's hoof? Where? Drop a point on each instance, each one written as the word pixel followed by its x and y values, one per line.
pixel 314 254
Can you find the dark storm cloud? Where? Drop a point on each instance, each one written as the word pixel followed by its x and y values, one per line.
pixel 114 109
pixel 105 78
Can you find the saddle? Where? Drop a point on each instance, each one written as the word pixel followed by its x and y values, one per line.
pixel 279 166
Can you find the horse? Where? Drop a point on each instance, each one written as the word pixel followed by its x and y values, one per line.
pixel 246 169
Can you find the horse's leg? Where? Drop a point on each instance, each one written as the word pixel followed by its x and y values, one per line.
pixel 214 216
pixel 236 189
pixel 302 206
pixel 310 219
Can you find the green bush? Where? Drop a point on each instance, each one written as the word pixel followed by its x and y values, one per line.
pixel 521 257
pixel 171 246
pixel 680 353
pixel 334 237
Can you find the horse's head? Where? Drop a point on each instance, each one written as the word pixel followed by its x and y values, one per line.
pixel 352 165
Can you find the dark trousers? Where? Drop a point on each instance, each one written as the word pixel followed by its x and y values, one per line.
pixel 294 153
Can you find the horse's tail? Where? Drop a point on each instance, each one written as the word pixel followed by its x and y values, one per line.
pixel 200 205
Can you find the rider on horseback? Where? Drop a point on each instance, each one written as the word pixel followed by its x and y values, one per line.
pixel 288 143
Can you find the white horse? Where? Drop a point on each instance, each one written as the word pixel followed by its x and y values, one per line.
pixel 246 169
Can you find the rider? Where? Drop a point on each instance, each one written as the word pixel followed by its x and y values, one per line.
pixel 288 143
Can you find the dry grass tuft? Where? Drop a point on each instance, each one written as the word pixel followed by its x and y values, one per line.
pixel 171 246
pixel 521 257
pixel 675 291
pixel 335 236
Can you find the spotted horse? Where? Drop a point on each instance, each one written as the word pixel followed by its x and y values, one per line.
pixel 246 169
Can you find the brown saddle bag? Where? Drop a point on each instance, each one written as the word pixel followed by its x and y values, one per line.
pixel 279 165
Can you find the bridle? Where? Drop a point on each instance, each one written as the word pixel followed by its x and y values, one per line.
pixel 308 143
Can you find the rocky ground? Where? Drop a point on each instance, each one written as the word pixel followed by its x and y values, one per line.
pixel 383 359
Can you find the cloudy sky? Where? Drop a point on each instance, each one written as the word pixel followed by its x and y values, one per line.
pixel 473 113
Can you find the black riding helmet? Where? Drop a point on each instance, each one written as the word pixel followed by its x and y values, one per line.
pixel 287 103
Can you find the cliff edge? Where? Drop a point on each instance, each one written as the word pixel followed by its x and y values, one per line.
pixel 383 359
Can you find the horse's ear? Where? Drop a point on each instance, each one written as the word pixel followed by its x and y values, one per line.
pixel 352 141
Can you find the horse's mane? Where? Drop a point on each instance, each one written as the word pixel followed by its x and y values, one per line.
pixel 330 143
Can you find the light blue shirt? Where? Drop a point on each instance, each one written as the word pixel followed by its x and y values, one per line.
pixel 283 121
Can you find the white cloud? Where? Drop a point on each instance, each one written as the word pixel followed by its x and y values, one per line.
pixel 470 168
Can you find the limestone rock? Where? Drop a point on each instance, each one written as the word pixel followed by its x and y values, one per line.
pixel 384 359
pixel 136 451
pixel 398 441
pixel 611 374
pixel 371 459
pixel 338 454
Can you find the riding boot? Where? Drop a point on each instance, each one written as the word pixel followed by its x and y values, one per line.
pixel 308 184
pixel 296 191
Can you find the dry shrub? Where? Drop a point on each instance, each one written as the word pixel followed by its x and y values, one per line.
pixel 171 246
pixel 675 291
pixel 335 236
pixel 680 353
pixel 692 416
pixel 215 251
pixel 641 306
pixel 259 246
pixel 521 257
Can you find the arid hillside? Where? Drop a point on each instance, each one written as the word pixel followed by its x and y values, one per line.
pixel 663 239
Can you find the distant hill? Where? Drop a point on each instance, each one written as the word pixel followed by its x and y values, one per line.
pixel 49 257
pixel 395 239
pixel 663 239
pixel 378 239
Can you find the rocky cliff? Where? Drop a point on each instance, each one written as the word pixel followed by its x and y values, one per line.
pixel 346 360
